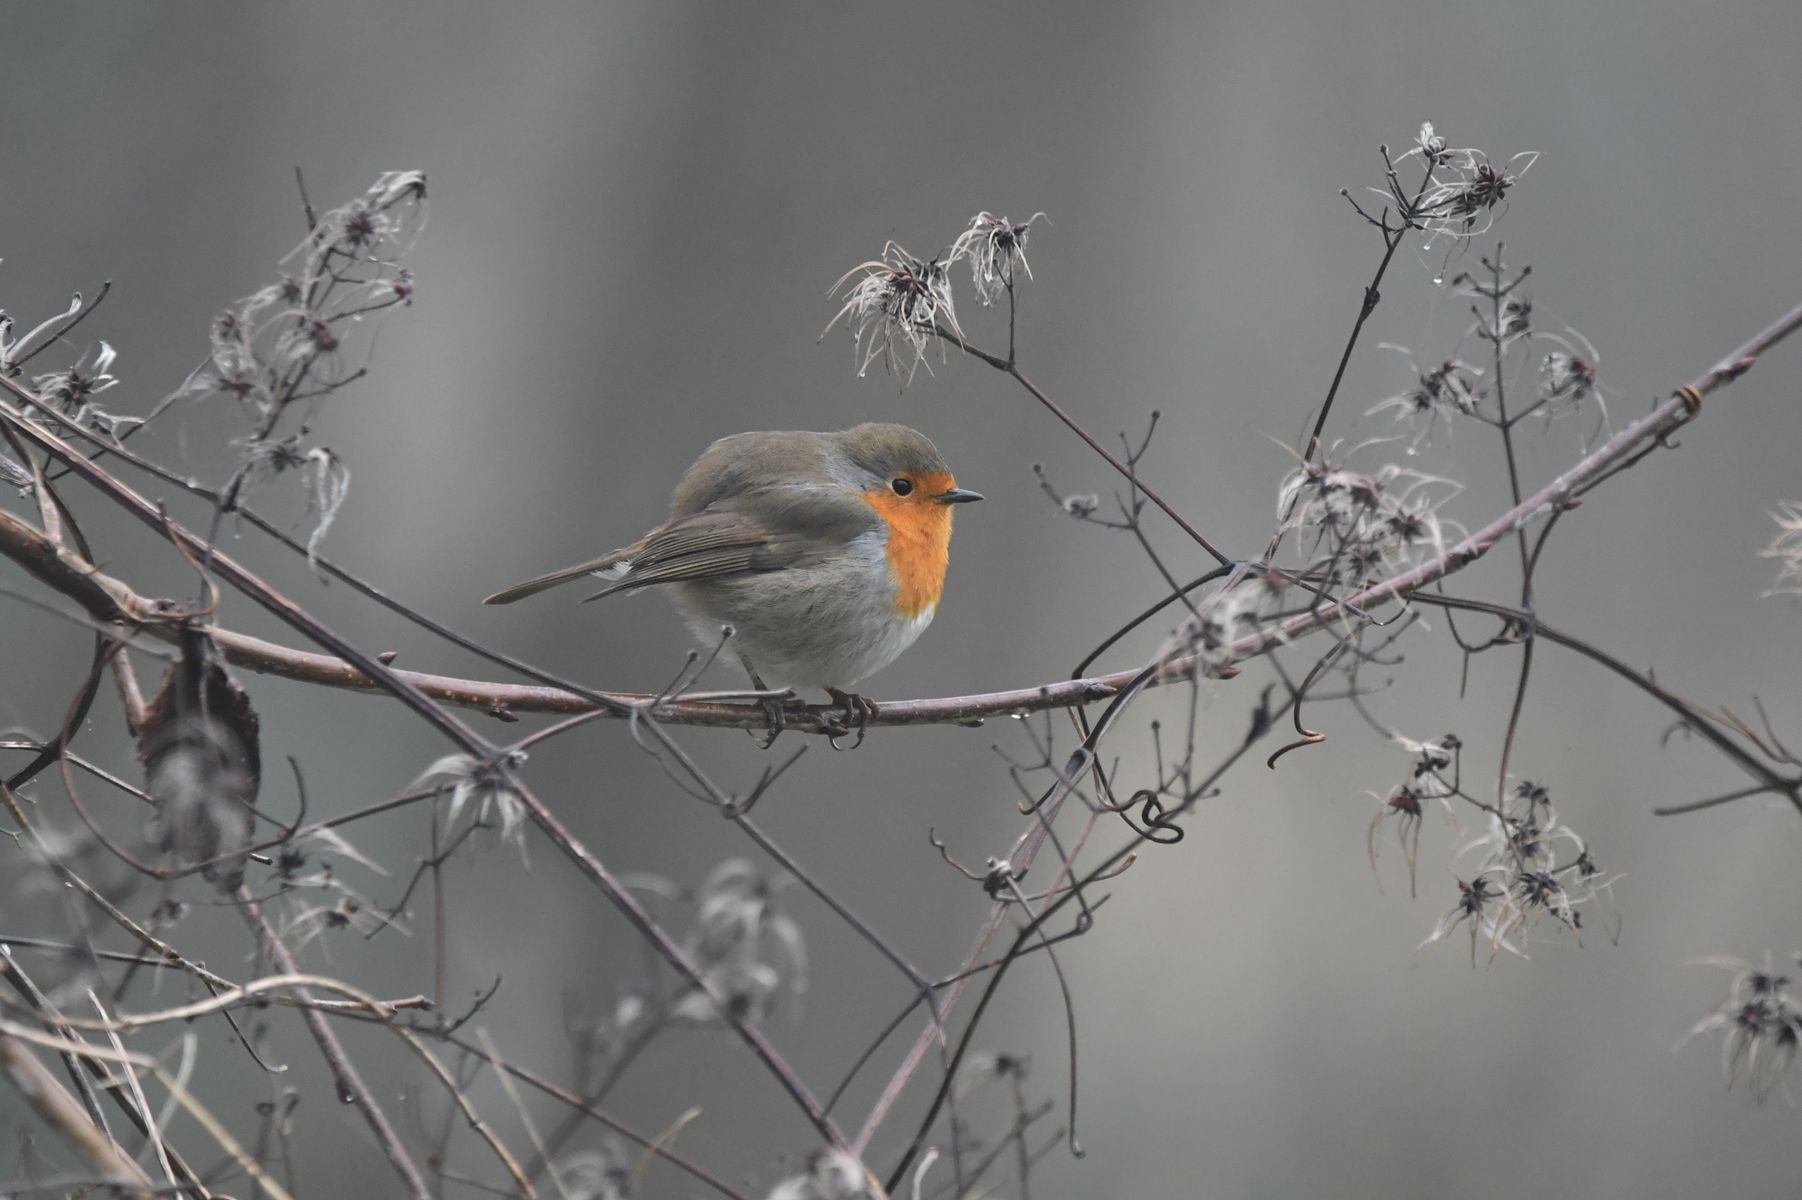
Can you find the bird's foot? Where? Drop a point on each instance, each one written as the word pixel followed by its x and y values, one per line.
pixel 775 709
pixel 858 712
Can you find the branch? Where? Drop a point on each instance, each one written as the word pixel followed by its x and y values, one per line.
pixel 59 1110
pixel 1681 407
pixel 460 734
pixel 349 1082
pixel 108 600
pixel 111 602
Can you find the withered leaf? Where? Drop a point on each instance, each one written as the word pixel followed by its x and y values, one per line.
pixel 201 763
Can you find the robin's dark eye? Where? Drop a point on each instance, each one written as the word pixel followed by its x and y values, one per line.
pixel 902 486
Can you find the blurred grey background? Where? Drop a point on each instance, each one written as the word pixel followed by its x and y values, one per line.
pixel 636 210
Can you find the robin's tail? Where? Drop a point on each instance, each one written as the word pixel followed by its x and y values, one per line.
pixel 610 566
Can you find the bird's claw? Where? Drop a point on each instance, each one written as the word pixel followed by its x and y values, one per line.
pixel 773 709
pixel 859 711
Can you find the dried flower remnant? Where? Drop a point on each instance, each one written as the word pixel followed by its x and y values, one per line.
pixel 267 349
pixel 1566 378
pixel 15 350
pixel 1429 144
pixel 1462 190
pixel 749 950
pixel 830 1175
pixel 1517 319
pixel 318 901
pixel 71 391
pixel 1786 547
pixel 1403 805
pixel 1532 867
pixel 1478 912
pixel 1463 205
pixel 1082 505
pixel 1428 781
pixel 201 762
pixel 894 309
pixel 1355 526
pixel 995 248
pixel 488 783
pixel 1569 380
pixel 986 1066
pixel 600 1174
pixel 1222 618
pixel 326 475
pixel 282 348
pixel 342 909
pixel 1760 1024
pixel 1449 391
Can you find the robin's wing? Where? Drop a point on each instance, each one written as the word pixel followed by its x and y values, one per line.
pixel 765 529
pixel 531 587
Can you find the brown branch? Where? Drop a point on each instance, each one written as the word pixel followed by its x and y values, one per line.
pixel 111 602
pixel 1682 406
pixel 348 1082
pixel 26 1036
pixel 63 1113
pixel 228 569
pixel 1693 716
pixel 1008 367
pixel 108 600
pixel 460 734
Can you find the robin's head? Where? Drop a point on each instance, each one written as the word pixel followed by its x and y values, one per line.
pixel 900 474
pixel 905 466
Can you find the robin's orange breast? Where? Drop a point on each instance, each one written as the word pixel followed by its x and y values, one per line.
pixel 919 542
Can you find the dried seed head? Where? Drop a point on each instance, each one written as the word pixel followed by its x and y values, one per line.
pixel 72 391
pixel 600 1174
pixel 1448 392
pixel 1429 143
pixel 830 1175
pixel 489 784
pixel 1760 1023
pixel 749 950
pixel 1786 547
pixel 996 248
pixel 895 308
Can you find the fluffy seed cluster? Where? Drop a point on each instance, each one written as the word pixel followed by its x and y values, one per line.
pixel 894 307
pixel 600 1174
pixel 749 950
pixel 1530 870
pixel 898 305
pixel 995 248
pixel 281 339
pixel 282 347
pixel 1355 526
pixel 1463 190
pixel 487 788
pixel 1786 547
pixel 70 391
pixel 1760 1025
pixel 1445 393
pixel 1433 780
pixel 830 1175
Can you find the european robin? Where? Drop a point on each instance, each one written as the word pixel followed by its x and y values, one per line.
pixel 825 552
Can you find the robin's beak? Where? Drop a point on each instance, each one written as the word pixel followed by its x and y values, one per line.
pixel 958 495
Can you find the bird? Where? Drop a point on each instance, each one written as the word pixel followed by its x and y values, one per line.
pixel 824 552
